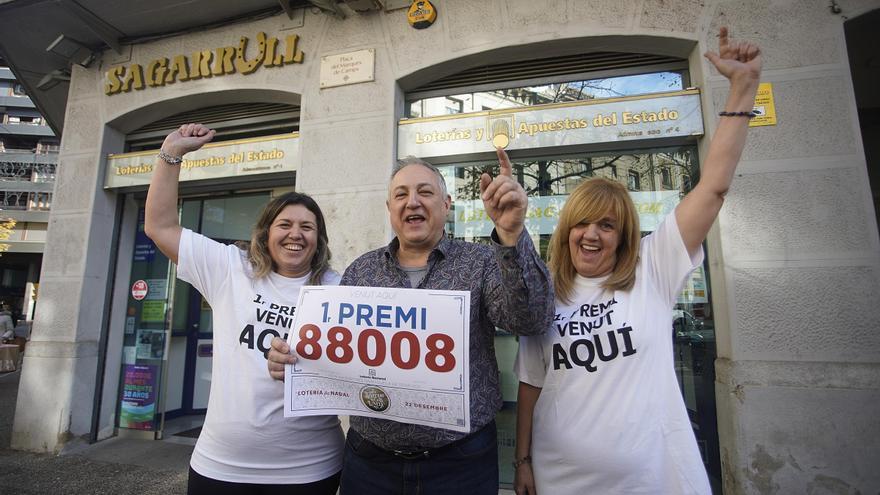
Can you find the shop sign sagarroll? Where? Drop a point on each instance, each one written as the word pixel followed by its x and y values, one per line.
pixel 662 115
pixel 270 52
pixel 239 158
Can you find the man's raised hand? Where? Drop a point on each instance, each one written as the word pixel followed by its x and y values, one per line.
pixel 505 201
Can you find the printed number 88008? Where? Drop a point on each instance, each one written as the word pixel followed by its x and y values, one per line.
pixel 339 350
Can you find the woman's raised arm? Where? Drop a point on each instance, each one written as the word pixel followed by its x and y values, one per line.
pixel 740 63
pixel 160 220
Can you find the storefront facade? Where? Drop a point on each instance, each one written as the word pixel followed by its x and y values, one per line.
pixel 167 344
pixel 796 244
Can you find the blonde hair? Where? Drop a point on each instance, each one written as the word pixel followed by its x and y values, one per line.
pixel 590 201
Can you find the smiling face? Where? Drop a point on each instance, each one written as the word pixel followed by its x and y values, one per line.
pixel 293 239
pixel 418 207
pixel 593 246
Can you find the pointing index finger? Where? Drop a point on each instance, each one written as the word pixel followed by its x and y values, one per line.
pixel 504 161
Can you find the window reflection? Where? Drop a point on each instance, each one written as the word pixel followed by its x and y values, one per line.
pixel 591 89
pixel 663 169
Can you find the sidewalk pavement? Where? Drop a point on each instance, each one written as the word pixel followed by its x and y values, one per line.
pixel 113 466
pixel 117 466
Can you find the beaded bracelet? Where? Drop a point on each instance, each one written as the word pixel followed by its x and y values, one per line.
pixel 519 462
pixel 750 114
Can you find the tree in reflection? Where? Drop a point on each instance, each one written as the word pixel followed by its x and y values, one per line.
pixel 668 169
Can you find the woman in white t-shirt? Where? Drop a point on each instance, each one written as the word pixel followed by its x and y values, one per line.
pixel 599 407
pixel 246 445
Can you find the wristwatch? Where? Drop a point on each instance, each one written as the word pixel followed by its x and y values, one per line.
pixel 169 159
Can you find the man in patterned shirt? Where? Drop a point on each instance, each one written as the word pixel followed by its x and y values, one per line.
pixel 510 288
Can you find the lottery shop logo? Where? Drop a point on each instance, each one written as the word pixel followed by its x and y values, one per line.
pixel 375 399
pixel 139 290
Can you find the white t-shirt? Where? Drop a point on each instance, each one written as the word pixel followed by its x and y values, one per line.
pixel 610 417
pixel 246 438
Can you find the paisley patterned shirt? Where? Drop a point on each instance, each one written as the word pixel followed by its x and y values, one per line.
pixel 510 288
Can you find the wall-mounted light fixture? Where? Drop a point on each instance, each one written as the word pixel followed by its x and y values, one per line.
pixel 76 52
pixel 326 6
pixel 53 78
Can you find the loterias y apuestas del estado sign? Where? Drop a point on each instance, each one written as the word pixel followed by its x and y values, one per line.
pixel 676 114
pixel 270 52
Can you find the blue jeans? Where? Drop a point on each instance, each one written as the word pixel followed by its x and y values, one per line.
pixel 468 467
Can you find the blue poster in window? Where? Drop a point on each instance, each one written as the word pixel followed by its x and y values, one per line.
pixel 144 248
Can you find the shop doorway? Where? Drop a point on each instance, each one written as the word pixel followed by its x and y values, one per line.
pixel 168 343
pixel 864 63
pixel 227 220
pixel 196 342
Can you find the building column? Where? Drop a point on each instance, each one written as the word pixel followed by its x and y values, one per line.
pixel 797 273
pixel 58 378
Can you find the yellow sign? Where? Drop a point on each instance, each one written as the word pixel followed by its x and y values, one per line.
pixel 764 108
pixel 238 158
pixel 674 114
pixel 421 14
pixel 203 64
